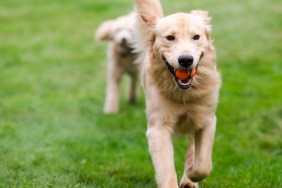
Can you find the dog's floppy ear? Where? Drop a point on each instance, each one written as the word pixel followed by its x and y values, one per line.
pixel 104 31
pixel 149 11
pixel 204 15
pixel 149 20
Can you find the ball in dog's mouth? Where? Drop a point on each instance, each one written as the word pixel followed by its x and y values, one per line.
pixel 183 78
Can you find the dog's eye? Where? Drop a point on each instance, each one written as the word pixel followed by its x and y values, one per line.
pixel 170 37
pixel 196 37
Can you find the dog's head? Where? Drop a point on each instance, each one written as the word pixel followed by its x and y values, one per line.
pixel 180 41
pixel 119 31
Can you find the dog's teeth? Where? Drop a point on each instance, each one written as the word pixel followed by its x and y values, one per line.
pixel 186 83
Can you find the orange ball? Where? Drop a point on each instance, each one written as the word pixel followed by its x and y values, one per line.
pixel 182 74
pixel 193 73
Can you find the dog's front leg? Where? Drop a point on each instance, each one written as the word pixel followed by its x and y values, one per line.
pixel 112 92
pixel 161 149
pixel 203 151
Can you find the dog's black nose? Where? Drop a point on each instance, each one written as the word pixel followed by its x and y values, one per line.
pixel 185 60
pixel 123 40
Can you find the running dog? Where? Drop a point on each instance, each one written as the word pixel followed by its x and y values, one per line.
pixel 181 84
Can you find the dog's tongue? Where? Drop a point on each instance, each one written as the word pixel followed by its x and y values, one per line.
pixel 185 74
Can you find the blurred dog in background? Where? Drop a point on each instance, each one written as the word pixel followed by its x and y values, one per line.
pixel 120 59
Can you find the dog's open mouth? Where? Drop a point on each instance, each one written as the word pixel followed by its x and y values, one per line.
pixel 183 78
pixel 183 84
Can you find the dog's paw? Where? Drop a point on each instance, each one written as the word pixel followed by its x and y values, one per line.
pixel 110 110
pixel 187 183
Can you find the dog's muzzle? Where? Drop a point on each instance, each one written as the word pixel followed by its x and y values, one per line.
pixel 183 78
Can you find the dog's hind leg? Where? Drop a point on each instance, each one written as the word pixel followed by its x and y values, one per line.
pixel 204 139
pixel 185 182
pixel 133 89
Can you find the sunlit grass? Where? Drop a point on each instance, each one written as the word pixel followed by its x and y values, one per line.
pixel 52 129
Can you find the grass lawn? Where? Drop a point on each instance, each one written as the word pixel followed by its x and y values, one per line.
pixel 52 78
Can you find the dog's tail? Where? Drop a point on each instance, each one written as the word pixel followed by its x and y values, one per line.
pixel 148 12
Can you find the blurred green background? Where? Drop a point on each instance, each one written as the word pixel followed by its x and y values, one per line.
pixel 52 86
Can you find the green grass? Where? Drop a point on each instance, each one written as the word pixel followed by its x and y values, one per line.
pixel 52 129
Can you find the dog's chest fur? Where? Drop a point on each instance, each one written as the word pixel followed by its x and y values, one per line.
pixel 124 59
pixel 190 107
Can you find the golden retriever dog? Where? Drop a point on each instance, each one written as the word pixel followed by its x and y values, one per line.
pixel 120 59
pixel 181 84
